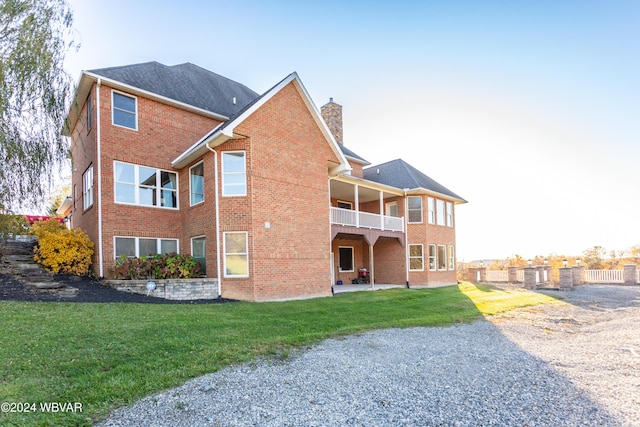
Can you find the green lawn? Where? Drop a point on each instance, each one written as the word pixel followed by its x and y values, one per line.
pixel 109 355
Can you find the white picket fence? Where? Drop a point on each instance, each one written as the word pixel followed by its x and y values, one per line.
pixel 590 276
pixel 603 276
pixel 497 276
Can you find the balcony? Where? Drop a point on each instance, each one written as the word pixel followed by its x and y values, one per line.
pixel 351 218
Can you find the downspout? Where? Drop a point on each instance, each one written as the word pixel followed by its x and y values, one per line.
pixel 406 235
pixel 215 180
pixel 99 154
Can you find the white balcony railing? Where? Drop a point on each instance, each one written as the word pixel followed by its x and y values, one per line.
pixel 366 220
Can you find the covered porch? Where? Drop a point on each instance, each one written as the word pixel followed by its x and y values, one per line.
pixel 362 204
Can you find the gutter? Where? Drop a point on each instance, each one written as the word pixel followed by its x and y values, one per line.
pixel 216 184
pixel 99 154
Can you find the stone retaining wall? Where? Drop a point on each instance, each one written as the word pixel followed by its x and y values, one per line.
pixel 173 289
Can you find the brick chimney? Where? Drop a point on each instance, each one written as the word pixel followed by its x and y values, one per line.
pixel 332 115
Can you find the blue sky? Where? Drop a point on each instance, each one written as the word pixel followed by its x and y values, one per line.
pixel 527 109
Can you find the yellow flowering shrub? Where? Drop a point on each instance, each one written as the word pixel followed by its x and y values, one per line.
pixel 63 250
pixel 40 228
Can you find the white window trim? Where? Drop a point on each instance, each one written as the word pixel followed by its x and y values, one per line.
pixel 113 107
pixel 431 210
pixel 87 188
pixel 199 237
pixel 201 162
pixel 136 179
pixel 409 210
pixel 244 157
pixel 137 244
pixel 451 258
pixel 224 251
pixel 388 206
pixel 421 257
pixel 434 257
pixel 441 215
pixel 438 257
pixel 353 261
pixel 449 214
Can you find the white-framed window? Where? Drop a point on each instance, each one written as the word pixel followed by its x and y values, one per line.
pixel 196 183
pixel 432 257
pixel 440 213
pixel 345 205
pixel 345 258
pixel 143 246
pixel 87 188
pixel 391 209
pixel 415 209
pixel 431 210
pixel 452 258
pixel 234 173
pixel 416 258
pixel 125 110
pixel 449 214
pixel 199 252
pixel 442 257
pixel 145 186
pixel 236 254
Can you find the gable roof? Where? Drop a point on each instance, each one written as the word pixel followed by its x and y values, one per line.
pixel 353 156
pixel 186 83
pixel 398 173
pixel 225 131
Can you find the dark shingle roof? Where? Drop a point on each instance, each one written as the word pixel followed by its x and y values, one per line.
pixel 400 174
pixel 351 154
pixel 185 83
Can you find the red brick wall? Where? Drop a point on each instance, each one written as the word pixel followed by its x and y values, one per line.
pixel 389 261
pixel 288 189
pixel 426 234
pixel 83 154
pixel 163 133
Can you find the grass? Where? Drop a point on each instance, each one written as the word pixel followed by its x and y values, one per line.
pixel 109 355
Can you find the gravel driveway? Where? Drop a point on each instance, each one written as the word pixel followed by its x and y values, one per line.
pixel 571 365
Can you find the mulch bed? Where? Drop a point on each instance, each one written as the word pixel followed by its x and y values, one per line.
pixel 80 289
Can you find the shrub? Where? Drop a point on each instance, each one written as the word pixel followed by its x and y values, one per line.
pixel 40 228
pixel 62 250
pixel 160 266
pixel 12 225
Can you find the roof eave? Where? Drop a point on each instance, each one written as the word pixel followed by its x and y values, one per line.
pixel 421 190
pixel 87 79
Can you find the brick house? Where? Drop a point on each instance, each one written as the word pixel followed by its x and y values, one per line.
pixel 259 188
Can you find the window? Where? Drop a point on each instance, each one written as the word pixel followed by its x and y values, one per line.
pixel 234 176
pixel 442 257
pixel 416 258
pixel 431 210
pixel 440 212
pixel 198 252
pixel 432 257
pixel 449 214
pixel 452 258
pixel 144 246
pixel 415 209
pixel 345 205
pixel 124 112
pixel 87 188
pixel 346 258
pixel 89 114
pixel 196 182
pixel 391 209
pixel 236 254
pixel 141 185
